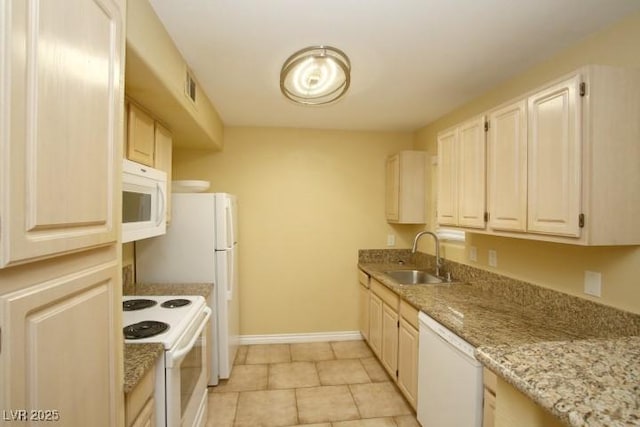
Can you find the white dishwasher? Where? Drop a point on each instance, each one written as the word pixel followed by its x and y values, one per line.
pixel 449 378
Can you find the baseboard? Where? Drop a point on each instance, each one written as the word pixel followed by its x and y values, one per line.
pixel 299 338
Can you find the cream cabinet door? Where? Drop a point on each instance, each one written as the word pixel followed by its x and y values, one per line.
pixel 392 192
pixel 408 361
pixel 448 178
pixel 163 159
pixel 507 168
pixel 61 126
pixel 554 159
pixel 471 174
pixel 364 311
pixel 389 351
pixel 140 136
pixel 60 344
pixel 375 324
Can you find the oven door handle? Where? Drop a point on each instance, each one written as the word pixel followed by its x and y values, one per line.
pixel 177 356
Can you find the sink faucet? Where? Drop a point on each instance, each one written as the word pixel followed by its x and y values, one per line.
pixel 437 242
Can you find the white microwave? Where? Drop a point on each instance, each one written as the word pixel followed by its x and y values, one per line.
pixel 144 201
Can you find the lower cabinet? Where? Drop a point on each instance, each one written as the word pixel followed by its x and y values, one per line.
pixel 140 403
pixel 505 406
pixel 363 303
pixel 408 353
pixel 393 337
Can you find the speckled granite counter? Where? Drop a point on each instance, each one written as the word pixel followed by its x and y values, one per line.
pixel 584 383
pixel 138 359
pixel 203 289
pixel 568 354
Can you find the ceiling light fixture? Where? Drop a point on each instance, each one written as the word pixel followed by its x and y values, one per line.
pixel 315 75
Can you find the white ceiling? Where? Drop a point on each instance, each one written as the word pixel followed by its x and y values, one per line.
pixel 412 60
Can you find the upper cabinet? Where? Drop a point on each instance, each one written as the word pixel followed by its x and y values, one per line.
pixel 63 66
pixel 158 77
pixel 461 175
pixel 562 161
pixel 140 137
pixel 405 189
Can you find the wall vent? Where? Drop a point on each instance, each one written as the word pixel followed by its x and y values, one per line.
pixel 190 86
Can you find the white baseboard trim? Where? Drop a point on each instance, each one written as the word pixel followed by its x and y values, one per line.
pixel 299 338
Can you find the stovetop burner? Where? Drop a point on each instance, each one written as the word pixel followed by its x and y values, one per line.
pixel 175 303
pixel 145 329
pixel 137 304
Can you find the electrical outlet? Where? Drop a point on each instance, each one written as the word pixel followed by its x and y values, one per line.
pixel 473 254
pixel 493 258
pixel 391 239
pixel 593 283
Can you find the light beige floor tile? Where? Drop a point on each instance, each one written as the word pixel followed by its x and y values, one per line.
pixel 222 409
pixel 406 421
pixel 311 352
pixel 345 371
pixel 379 400
pixel 268 353
pixel 375 370
pixel 293 375
pixel 244 378
pixel 325 404
pixel 241 355
pixel 369 422
pixel 269 408
pixel 351 349
pixel 313 425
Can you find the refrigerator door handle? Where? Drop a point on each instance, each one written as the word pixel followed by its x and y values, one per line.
pixel 230 275
pixel 229 226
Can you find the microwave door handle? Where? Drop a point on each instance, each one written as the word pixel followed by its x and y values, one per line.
pixel 178 355
pixel 160 206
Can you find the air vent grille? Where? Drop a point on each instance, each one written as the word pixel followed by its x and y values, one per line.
pixel 190 86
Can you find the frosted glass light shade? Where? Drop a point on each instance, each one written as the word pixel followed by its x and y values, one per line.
pixel 315 75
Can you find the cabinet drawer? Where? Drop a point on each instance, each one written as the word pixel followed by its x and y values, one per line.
pixel 409 313
pixel 363 278
pixel 386 295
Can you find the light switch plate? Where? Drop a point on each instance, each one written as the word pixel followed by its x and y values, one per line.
pixel 493 258
pixel 593 283
pixel 473 254
pixel 391 239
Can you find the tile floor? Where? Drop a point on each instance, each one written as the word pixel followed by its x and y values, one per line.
pixel 336 384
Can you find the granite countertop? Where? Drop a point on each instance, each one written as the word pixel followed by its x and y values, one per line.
pixel 203 289
pixel 584 383
pixel 138 359
pixel 574 358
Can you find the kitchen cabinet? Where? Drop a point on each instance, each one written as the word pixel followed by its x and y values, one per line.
pixel 514 408
pixel 383 325
pixel 140 136
pixel 507 167
pixel 60 129
pixel 461 175
pixel 405 188
pixel 61 149
pixel 489 399
pixel 408 353
pixel 562 162
pixel 363 306
pixel 554 159
pixel 375 323
pixel 140 402
pixel 163 158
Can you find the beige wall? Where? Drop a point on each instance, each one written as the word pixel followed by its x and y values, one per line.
pixel 556 266
pixel 308 200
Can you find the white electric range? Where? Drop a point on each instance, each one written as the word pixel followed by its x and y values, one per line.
pixel 178 323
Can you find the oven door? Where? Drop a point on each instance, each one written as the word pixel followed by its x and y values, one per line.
pixel 186 376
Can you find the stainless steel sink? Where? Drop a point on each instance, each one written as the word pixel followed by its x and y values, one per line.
pixel 413 277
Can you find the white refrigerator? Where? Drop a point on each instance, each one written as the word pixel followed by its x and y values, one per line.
pixel 201 245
